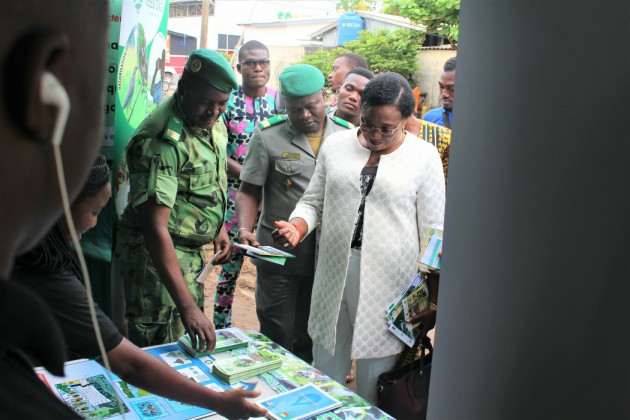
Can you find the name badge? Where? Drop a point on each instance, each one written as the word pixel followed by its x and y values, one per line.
pixel 289 155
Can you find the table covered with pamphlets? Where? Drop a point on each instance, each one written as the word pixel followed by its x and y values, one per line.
pixel 91 390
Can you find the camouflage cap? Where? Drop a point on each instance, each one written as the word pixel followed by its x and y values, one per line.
pixel 301 80
pixel 212 67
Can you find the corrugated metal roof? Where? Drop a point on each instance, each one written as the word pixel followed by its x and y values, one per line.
pixel 440 47
pixel 391 19
pixel 380 17
pixel 280 22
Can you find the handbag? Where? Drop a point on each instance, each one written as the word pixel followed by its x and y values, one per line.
pixel 403 392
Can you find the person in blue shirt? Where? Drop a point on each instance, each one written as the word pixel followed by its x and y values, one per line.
pixel 444 115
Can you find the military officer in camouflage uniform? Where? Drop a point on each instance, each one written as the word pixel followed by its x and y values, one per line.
pixel 176 162
pixel 278 167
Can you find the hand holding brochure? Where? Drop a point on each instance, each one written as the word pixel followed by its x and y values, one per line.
pixel 300 403
pixel 227 339
pixel 414 299
pixel 267 253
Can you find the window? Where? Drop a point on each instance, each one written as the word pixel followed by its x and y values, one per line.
pixel 227 42
pixel 187 8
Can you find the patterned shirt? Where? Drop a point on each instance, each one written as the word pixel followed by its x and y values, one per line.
pixel 241 117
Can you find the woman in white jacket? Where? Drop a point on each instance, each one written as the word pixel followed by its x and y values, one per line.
pixel 375 192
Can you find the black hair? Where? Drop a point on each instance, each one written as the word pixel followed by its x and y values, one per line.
pixel 251 45
pixel 98 178
pixel 361 72
pixel 450 64
pixel 355 59
pixel 54 254
pixel 389 89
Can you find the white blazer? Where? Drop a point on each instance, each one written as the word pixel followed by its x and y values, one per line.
pixel 406 198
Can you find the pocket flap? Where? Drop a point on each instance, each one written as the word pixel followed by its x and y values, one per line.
pixel 289 166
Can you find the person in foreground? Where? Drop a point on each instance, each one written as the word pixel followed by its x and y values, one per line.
pixel 375 193
pixel 52 271
pixel 177 166
pixel 33 48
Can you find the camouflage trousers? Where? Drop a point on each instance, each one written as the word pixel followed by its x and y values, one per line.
pixel 151 314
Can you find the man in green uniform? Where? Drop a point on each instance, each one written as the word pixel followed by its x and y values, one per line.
pixel 176 163
pixel 278 168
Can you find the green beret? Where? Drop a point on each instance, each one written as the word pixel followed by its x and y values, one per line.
pixel 301 80
pixel 212 67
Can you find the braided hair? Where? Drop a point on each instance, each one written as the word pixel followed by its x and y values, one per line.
pixel 54 254
pixel 97 179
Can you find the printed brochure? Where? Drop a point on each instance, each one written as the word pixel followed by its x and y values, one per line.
pixel 267 253
pixel 300 403
pixel 414 299
pixel 430 253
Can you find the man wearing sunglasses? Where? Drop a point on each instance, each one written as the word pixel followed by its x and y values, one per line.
pixel 251 103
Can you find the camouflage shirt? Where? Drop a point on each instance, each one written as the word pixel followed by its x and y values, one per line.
pixel 179 166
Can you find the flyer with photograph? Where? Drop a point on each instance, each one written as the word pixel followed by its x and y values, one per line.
pixel 413 300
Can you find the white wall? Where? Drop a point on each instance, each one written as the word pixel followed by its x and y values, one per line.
pixel 230 13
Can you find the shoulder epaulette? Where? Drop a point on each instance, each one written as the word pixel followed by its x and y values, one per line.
pixel 342 122
pixel 174 128
pixel 270 122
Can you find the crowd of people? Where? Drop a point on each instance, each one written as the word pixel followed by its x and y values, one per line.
pixel 349 187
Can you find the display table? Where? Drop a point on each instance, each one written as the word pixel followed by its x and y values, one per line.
pixel 89 388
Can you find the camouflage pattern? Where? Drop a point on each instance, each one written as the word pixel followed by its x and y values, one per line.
pixel 185 169
pixel 151 313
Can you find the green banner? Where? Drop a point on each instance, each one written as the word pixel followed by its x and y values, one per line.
pixel 142 49
pixel 139 87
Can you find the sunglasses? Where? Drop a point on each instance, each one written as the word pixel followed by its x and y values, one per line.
pixel 252 63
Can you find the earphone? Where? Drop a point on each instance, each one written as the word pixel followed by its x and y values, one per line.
pixel 53 93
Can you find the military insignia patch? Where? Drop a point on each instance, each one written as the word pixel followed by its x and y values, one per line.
pixel 195 66
pixel 287 183
pixel 342 122
pixel 289 155
pixel 272 121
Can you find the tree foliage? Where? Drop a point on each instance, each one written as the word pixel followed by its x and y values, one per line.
pixel 353 5
pixel 439 16
pixel 383 50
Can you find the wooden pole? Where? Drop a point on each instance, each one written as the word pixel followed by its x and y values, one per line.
pixel 205 11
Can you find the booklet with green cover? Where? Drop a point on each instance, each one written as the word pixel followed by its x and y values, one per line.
pixel 227 339
pixel 245 366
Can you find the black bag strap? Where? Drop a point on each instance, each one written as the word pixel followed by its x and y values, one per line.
pixel 417 367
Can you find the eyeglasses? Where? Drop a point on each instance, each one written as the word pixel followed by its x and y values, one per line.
pixel 252 63
pixel 366 128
